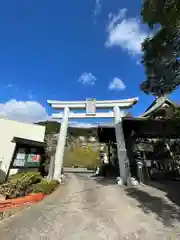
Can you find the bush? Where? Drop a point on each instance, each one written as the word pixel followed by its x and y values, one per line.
pixel 33 177
pixel 45 186
pixel 20 184
pixel 23 183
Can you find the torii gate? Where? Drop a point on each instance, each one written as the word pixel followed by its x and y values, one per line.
pixel 90 105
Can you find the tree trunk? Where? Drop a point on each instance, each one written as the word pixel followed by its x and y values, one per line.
pixel 51 168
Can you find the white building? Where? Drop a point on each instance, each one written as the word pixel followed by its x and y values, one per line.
pixel 11 130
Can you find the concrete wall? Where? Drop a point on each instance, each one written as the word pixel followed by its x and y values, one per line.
pixel 10 129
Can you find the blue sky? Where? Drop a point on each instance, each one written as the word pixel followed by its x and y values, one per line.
pixel 69 50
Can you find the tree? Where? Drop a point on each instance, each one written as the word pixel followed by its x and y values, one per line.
pixel 161 53
pixel 177 113
pixel 51 126
pixel 82 157
pixel 163 12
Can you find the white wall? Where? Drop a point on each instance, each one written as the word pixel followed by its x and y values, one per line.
pixel 10 129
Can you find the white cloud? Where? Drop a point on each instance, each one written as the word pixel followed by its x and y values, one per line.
pixel 87 78
pixel 117 84
pixel 97 9
pixel 24 111
pixel 125 32
pixel 113 19
pixel 32 111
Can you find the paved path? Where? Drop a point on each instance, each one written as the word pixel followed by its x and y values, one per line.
pixel 77 170
pixel 91 210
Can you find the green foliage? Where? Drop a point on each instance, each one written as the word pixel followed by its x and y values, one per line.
pixel 78 156
pixel 82 157
pixel 177 113
pixel 162 51
pixel 45 186
pixel 86 132
pixel 163 12
pixel 161 64
pixel 23 183
pixel 20 184
pixel 51 126
pixel 33 177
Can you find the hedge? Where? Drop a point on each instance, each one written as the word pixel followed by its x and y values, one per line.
pixel 45 186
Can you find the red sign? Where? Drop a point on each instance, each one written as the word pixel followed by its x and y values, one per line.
pixel 35 157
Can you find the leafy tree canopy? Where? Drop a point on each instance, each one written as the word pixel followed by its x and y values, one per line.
pixel 163 12
pixel 161 57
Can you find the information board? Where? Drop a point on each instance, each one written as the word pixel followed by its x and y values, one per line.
pixel 144 147
pixel 27 157
pixel 91 106
pixel 32 158
pixel 20 159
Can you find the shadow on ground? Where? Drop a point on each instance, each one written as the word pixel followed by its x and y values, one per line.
pixel 171 188
pixel 105 181
pixel 164 211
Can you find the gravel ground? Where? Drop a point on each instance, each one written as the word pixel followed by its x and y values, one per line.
pixel 85 208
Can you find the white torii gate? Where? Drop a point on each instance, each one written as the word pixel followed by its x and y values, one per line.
pixel 90 106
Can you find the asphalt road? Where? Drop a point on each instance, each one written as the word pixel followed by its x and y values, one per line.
pixel 85 208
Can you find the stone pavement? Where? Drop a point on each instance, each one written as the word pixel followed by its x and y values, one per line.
pixel 86 208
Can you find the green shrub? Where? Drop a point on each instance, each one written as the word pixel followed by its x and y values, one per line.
pixel 15 177
pixel 20 184
pixel 45 186
pixel 33 177
pixel 23 183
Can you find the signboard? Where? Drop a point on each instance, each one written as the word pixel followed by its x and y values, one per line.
pixel 20 158
pixel 33 157
pixel 144 147
pixel 27 157
pixel 91 106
